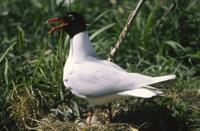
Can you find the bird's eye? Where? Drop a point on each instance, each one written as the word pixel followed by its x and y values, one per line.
pixel 71 17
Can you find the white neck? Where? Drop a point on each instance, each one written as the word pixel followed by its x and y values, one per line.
pixel 80 46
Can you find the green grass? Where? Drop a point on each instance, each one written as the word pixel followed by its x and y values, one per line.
pixel 31 62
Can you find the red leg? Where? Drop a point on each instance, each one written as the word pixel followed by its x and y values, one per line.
pixel 90 114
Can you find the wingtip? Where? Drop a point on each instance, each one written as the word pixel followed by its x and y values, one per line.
pixel 173 76
pixel 164 78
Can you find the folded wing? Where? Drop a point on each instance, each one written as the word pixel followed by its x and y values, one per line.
pixel 101 78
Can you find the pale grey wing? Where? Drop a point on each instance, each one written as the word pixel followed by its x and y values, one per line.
pixel 98 78
pixel 111 64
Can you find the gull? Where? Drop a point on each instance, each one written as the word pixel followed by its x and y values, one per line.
pixel 94 79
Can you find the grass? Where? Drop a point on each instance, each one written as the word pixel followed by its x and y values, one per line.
pixel 31 62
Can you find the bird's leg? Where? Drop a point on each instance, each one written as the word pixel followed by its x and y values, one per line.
pixel 90 114
pixel 110 111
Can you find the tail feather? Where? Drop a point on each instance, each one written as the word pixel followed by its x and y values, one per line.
pixel 144 92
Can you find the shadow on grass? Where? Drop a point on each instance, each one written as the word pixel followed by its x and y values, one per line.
pixel 148 118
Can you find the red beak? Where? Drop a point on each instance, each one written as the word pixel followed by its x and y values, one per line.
pixel 54 20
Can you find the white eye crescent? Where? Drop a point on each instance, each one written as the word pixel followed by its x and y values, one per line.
pixel 71 17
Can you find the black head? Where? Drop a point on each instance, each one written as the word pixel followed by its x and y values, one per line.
pixel 71 22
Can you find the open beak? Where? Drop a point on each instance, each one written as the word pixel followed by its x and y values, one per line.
pixel 54 20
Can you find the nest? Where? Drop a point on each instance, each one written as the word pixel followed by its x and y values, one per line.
pixel 50 124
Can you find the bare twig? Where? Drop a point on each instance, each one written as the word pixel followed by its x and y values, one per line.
pixel 122 35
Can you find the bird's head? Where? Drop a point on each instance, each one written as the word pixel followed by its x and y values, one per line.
pixel 71 22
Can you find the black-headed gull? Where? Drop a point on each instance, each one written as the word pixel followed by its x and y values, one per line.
pixel 97 80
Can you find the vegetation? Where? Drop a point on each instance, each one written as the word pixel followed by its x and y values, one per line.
pixel 164 39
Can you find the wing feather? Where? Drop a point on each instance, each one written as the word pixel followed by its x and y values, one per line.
pixel 101 78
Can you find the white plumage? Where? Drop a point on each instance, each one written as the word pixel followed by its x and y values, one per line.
pixel 100 81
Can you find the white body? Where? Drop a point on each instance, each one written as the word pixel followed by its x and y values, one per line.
pixel 100 81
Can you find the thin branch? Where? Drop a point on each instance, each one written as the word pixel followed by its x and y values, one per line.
pixel 171 8
pixel 122 35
